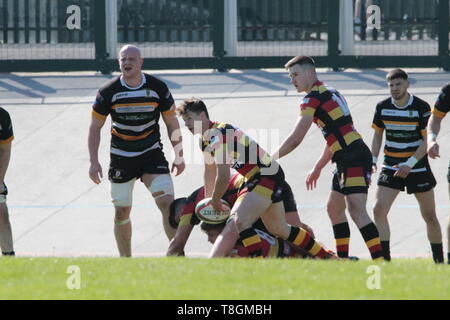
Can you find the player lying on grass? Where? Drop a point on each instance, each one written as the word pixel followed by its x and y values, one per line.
pixel 183 218
pixel 272 247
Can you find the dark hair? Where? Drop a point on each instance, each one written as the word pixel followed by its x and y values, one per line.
pixel 211 227
pixel 192 105
pixel 301 61
pixel 396 74
pixel 174 206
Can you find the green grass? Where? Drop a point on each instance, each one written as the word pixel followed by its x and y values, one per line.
pixel 181 278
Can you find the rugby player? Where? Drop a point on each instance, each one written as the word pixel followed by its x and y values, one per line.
pixel 135 101
pixel 327 108
pixel 440 109
pixel 404 117
pixel 224 146
pixel 6 137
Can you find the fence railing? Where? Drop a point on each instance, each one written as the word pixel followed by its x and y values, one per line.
pixel 190 34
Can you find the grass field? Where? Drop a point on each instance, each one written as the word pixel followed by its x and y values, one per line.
pixel 181 278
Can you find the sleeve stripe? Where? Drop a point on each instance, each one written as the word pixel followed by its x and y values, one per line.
pixel 168 112
pixel 8 140
pixel 98 115
pixel 377 128
pixel 438 113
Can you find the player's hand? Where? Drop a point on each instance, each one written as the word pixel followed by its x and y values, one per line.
pixel 95 172
pixel 403 170
pixel 179 165
pixel 218 205
pixel 311 179
pixel 433 150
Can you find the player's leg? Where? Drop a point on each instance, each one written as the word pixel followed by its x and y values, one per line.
pixel 226 240
pixel 121 194
pixel 275 221
pixel 341 230
pixel 384 198
pixel 428 210
pixel 6 240
pixel 356 204
pixel 162 190
pixel 448 226
pixel 247 209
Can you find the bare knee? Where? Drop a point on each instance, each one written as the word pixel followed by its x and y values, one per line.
pixel 380 211
pixel 241 224
pixel 430 217
pixel 164 203
pixel 122 213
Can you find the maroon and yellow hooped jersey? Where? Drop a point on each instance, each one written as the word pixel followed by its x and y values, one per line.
pixel 331 115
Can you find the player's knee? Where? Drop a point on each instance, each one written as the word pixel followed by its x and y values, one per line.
pixel 430 217
pixel 122 194
pixel 122 213
pixel 379 211
pixel 242 224
pixel 160 188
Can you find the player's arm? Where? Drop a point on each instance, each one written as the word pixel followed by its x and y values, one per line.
pixel 314 174
pixel 5 156
pixel 220 185
pixel 405 167
pixel 173 130
pixel 177 244
pixel 226 241
pixel 209 175
pixel 95 169
pixel 434 127
pixel 377 141
pixel 421 151
pixel 295 137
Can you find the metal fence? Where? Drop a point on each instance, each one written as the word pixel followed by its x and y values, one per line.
pixel 190 34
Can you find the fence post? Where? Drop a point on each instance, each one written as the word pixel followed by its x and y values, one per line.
pixel 219 32
pixel 444 21
pixel 346 37
pixel 111 29
pixel 333 33
pixel 230 29
pixel 100 35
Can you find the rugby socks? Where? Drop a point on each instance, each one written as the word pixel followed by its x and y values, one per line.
pixel 342 235
pixel 438 252
pixel 386 250
pixel 252 242
pixel 448 257
pixel 301 238
pixel 372 238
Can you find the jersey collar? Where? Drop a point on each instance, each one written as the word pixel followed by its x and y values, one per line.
pixel 410 101
pixel 143 81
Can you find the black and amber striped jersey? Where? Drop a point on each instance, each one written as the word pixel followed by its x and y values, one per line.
pixel 332 115
pixel 442 105
pixel 135 113
pixel 188 215
pixel 6 130
pixel 228 143
pixel 405 127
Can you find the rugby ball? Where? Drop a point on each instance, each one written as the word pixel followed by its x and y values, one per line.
pixel 206 213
